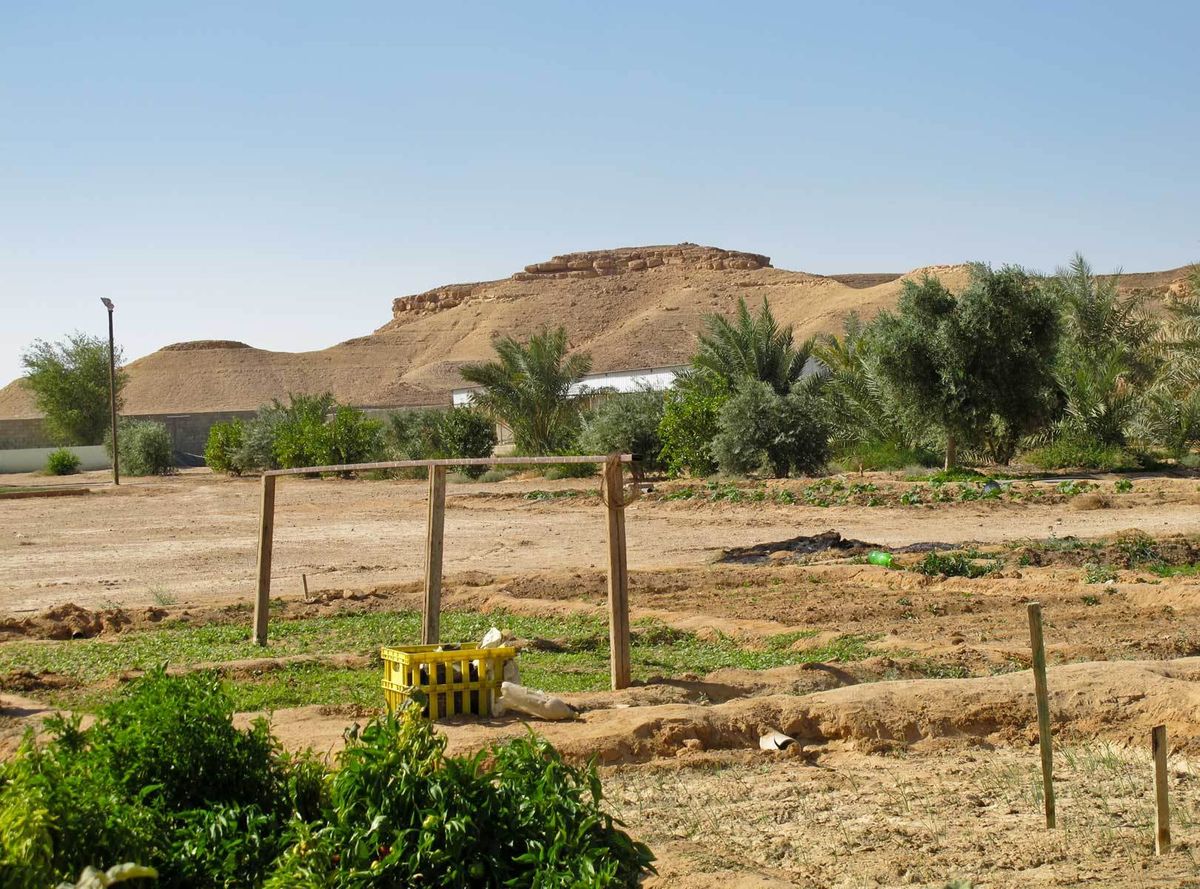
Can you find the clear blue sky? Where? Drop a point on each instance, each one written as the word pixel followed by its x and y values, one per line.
pixel 277 172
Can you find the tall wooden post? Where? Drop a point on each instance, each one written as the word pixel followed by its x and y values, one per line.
pixel 618 574
pixel 266 534
pixel 432 616
pixel 1162 810
pixel 1043 708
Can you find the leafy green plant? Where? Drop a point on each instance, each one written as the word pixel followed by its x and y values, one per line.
pixel 1074 450
pixel 465 432
pixel 144 448
pixel 528 388
pixel 761 430
pixel 69 381
pixel 222 451
pixel 400 812
pixel 937 564
pixel 689 424
pixel 1094 572
pixel 627 422
pixel 353 436
pixel 62 462
pixel 1123 486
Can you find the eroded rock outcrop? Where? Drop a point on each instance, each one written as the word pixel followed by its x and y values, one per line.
pixel 589 264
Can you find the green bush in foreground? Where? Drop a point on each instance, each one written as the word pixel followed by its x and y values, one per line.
pixel 164 778
pixel 1081 452
pixel 144 447
pixel 62 462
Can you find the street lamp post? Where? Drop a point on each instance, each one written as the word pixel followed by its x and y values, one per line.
pixel 112 389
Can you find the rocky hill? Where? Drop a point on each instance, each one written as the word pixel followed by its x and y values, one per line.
pixel 632 307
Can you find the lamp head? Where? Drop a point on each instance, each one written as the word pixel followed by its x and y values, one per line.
pixel 108 303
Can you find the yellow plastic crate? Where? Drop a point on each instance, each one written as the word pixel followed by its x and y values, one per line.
pixel 455 680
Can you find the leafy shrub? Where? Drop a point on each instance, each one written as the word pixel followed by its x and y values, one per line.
pixel 223 450
pixel 301 435
pixel 689 424
pixel 570 470
pixel 353 436
pixel 465 432
pixel 144 448
pixel 626 422
pixel 160 778
pixel 1081 452
pixel 876 456
pixel 759 429
pixel 937 564
pixel 433 434
pixel 164 778
pixel 1123 486
pixel 405 814
pixel 1094 572
pixel 63 461
pixel 495 475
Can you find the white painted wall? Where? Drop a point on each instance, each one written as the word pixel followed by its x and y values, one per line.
pixel 656 378
pixel 34 459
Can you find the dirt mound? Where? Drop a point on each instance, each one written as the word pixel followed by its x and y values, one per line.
pixel 71 621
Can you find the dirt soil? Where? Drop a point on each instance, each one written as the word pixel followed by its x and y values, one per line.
pixel 913 766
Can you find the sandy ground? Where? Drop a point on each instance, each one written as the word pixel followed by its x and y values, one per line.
pixel 899 777
pixel 193 537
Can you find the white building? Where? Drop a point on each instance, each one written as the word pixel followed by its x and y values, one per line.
pixel 655 378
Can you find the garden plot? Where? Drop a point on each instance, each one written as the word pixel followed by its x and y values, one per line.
pixel 907 688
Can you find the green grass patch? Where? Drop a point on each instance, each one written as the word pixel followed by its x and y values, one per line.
pixel 579 663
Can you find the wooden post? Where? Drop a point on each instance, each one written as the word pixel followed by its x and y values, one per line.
pixel 1043 708
pixel 1162 811
pixel 618 574
pixel 266 534
pixel 304 583
pixel 432 616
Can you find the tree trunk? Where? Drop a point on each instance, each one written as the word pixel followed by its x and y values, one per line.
pixel 951 453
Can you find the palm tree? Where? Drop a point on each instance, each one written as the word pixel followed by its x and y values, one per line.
pixel 1106 357
pixel 528 387
pixel 751 347
pixel 860 412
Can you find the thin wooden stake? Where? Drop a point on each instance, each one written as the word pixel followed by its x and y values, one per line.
pixel 432 616
pixel 266 534
pixel 1162 811
pixel 1043 708
pixel 304 582
pixel 618 574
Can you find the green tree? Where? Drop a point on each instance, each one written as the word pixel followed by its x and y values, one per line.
pixel 977 368
pixel 859 411
pixel 69 380
pixel 754 347
pixel 528 388
pixel 628 422
pixel 301 434
pixel 689 424
pixel 1105 359
pixel 1169 413
pixel 465 432
pixel 760 430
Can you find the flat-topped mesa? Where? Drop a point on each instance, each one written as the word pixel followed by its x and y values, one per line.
pixel 590 264
pixel 598 263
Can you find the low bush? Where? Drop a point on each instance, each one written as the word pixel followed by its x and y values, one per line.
pixel 301 433
pixel 759 430
pixel 627 422
pixel 223 450
pixel 570 470
pixel 689 425
pixel 496 475
pixel 879 456
pixel 354 437
pixel 144 448
pixel 937 564
pixel 165 779
pixel 465 432
pixel 63 461
pixel 1077 452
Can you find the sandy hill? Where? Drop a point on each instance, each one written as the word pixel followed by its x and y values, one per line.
pixel 634 307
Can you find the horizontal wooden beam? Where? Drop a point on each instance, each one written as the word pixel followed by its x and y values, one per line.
pixel 450 461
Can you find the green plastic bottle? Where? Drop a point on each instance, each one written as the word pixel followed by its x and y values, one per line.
pixel 875 557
